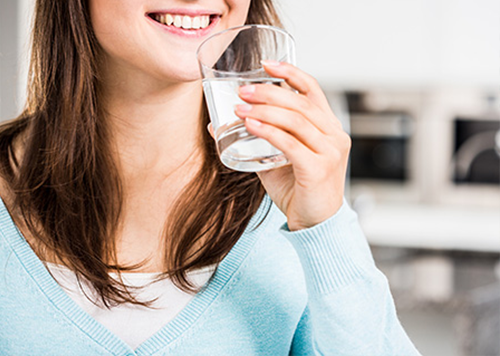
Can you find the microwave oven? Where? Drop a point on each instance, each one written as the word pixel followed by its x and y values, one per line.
pixel 380 146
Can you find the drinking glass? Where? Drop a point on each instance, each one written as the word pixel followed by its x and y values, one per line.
pixel 228 60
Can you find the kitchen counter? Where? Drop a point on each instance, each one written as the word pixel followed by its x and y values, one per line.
pixel 433 227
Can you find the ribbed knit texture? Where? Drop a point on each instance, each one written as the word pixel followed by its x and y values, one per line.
pixel 309 292
pixel 333 253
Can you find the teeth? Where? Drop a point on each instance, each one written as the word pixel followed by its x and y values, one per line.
pixel 185 22
pixel 177 21
pixel 205 21
pixel 196 23
pixel 169 19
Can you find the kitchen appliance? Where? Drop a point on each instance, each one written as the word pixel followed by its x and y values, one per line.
pixel 380 145
pixel 476 158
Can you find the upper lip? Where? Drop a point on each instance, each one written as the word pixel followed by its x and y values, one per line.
pixel 187 12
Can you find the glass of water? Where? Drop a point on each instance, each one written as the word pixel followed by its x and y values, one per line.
pixel 228 60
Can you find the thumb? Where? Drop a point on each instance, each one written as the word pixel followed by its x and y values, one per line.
pixel 211 130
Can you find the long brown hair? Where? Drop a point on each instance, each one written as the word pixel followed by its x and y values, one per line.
pixel 67 189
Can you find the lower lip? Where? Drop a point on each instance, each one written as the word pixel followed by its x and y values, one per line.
pixel 187 33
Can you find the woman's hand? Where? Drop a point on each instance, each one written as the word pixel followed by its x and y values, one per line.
pixel 304 128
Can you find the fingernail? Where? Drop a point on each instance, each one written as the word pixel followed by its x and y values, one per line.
pixel 247 89
pixel 244 107
pixel 253 122
pixel 270 63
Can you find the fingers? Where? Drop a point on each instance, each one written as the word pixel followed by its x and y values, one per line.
pixel 286 120
pixel 299 80
pixel 211 130
pixel 295 151
pixel 328 150
pixel 274 95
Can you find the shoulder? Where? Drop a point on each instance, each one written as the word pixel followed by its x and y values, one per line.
pixel 7 206
pixel 11 220
pixel 5 224
pixel 15 145
pixel 5 191
pixel 6 200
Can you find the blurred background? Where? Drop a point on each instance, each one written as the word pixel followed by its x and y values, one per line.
pixel 417 84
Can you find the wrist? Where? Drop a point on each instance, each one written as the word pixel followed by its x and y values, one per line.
pixel 319 217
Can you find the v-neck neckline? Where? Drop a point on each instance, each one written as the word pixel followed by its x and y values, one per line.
pixel 99 333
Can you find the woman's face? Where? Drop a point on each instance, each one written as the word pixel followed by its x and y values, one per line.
pixel 160 37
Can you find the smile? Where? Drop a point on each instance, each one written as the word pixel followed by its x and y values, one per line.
pixel 184 21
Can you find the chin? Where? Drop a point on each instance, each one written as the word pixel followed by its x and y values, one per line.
pixel 186 76
pixel 185 71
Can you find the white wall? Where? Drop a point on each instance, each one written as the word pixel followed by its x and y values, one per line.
pixel 14 52
pixel 397 42
pixel 24 18
pixel 8 58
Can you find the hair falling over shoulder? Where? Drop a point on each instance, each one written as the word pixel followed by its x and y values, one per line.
pixel 64 184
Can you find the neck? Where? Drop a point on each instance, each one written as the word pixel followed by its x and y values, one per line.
pixel 156 133
pixel 155 128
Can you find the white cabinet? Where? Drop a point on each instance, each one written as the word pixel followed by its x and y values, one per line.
pixel 397 42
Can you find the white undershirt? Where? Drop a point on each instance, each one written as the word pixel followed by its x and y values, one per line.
pixel 132 323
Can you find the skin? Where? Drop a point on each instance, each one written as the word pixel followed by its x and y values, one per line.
pixel 305 129
pixel 152 95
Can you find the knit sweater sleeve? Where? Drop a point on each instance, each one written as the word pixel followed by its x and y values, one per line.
pixel 350 310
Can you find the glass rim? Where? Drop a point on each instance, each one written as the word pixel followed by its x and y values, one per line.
pixel 242 27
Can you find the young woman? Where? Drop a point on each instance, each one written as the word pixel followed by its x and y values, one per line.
pixel 121 233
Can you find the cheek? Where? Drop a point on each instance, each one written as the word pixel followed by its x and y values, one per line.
pixel 101 13
pixel 239 9
pixel 112 22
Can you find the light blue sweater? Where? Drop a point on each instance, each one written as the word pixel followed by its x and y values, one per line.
pixel 309 292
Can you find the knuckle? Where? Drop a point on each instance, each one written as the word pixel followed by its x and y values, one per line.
pixel 259 92
pixel 304 104
pixel 288 69
pixel 341 141
pixel 265 131
pixel 296 122
pixel 257 112
pixel 312 82
pixel 336 156
pixel 266 92
pixel 289 144
pixel 347 142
